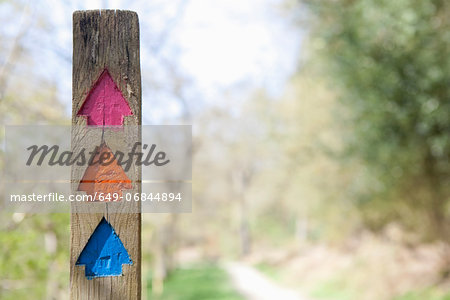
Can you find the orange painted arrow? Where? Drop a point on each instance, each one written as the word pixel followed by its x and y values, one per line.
pixel 104 177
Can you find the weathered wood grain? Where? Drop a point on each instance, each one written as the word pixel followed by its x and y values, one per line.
pixel 106 39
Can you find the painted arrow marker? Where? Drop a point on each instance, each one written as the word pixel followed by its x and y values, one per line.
pixel 105 104
pixel 105 177
pixel 104 253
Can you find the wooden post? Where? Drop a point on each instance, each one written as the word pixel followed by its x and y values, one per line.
pixel 106 42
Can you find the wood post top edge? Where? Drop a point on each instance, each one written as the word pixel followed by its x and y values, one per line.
pixel 100 11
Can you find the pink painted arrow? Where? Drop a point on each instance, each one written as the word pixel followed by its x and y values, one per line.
pixel 105 104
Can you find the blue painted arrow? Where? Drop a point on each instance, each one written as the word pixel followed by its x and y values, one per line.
pixel 104 253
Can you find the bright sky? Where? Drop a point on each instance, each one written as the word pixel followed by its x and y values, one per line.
pixel 221 46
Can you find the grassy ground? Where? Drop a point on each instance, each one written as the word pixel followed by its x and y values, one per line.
pixel 199 282
pixel 269 270
pixel 332 290
pixel 429 294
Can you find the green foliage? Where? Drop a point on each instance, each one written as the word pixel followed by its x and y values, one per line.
pixel 389 62
pixel 34 255
pixel 197 283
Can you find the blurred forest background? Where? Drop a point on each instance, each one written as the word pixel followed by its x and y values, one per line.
pixel 322 145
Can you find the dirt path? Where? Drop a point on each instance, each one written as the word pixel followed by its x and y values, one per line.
pixel 254 285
